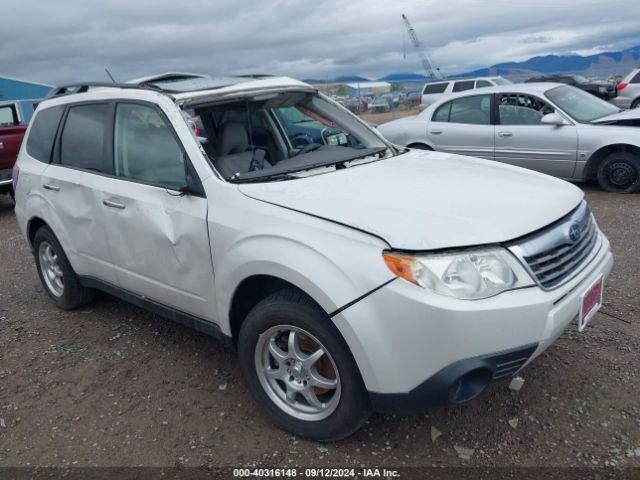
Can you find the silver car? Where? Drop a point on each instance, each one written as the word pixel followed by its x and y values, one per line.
pixel 629 91
pixel 552 128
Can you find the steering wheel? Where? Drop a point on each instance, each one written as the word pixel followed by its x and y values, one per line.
pixel 309 148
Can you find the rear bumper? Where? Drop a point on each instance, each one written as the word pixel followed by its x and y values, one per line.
pixel 458 383
pixel 5 176
pixel 622 102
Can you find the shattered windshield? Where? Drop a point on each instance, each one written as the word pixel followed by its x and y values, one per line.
pixel 282 135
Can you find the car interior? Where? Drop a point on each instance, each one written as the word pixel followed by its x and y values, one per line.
pixel 254 135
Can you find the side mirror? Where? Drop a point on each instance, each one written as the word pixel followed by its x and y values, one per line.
pixel 553 119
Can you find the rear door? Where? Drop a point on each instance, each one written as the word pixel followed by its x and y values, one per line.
pixel 522 140
pixel 157 234
pixel 72 183
pixel 463 126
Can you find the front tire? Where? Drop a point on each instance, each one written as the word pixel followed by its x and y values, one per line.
pixel 56 274
pixel 619 172
pixel 300 370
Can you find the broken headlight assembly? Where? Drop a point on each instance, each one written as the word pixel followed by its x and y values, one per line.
pixel 465 274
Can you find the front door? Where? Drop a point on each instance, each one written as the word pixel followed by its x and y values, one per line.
pixel 521 139
pixel 157 235
pixel 463 126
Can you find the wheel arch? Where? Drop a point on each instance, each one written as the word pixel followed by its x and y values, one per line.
pixel 420 145
pixel 591 168
pixel 33 225
pixel 251 291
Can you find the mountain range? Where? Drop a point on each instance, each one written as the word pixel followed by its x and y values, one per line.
pixel 601 65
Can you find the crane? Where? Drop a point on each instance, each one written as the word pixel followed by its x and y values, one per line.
pixel 426 63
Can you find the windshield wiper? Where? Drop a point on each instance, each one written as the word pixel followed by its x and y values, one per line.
pixel 264 178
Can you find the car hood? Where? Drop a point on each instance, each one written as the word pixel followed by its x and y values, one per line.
pixel 633 114
pixel 428 200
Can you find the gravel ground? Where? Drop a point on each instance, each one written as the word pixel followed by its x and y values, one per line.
pixel 113 385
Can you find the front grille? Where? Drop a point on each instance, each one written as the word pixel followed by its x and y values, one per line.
pixel 552 256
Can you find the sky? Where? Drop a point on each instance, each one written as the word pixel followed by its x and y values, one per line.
pixel 57 41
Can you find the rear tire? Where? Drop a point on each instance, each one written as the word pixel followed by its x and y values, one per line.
pixel 619 172
pixel 56 274
pixel 636 103
pixel 341 408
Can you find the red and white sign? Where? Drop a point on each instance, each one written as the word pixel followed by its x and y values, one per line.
pixel 590 303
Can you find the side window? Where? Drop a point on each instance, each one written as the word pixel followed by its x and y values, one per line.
pixel 483 83
pixel 145 147
pixel 463 85
pixel 435 88
pixel 8 116
pixel 442 114
pixel 43 133
pixel 518 109
pixel 636 78
pixel 475 110
pixel 83 142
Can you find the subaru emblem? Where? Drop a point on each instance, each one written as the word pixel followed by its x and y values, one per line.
pixel 574 232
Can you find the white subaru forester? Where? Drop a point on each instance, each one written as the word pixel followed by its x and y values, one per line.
pixel 350 275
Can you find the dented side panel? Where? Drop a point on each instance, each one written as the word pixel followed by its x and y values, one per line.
pixel 160 245
pixel 71 194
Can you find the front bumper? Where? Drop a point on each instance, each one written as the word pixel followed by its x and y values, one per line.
pixel 412 345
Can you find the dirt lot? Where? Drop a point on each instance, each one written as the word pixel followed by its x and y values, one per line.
pixel 112 385
pixel 380 118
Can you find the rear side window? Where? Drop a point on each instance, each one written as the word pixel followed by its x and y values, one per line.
pixel 442 114
pixel 636 78
pixel 435 88
pixel 463 85
pixel 83 142
pixel 43 133
pixel 474 110
pixel 483 83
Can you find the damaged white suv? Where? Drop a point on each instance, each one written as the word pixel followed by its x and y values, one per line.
pixel 351 276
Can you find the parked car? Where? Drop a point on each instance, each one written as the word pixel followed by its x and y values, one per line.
pixel 600 88
pixel 434 91
pixel 379 104
pixel 552 128
pixel 629 91
pixel 14 117
pixel 337 299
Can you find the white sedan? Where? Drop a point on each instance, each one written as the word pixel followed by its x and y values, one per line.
pixel 552 128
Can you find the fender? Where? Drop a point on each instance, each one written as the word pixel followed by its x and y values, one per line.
pixel 331 279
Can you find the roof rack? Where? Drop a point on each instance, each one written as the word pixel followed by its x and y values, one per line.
pixel 83 87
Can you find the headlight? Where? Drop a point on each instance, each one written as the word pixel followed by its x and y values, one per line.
pixel 466 274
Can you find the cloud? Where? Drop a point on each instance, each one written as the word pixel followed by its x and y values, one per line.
pixel 60 41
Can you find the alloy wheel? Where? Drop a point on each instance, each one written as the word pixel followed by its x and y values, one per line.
pixel 297 372
pixel 51 271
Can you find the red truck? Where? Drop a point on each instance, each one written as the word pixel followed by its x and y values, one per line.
pixel 14 117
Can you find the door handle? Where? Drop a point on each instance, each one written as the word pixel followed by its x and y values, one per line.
pixel 112 204
pixel 505 134
pixel 1 145
pixel 48 186
pixel 435 132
